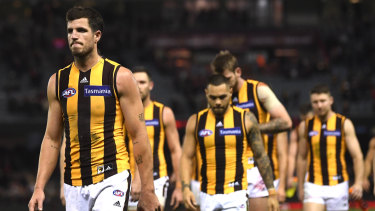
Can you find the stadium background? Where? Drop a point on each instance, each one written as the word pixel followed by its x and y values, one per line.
pixel 289 44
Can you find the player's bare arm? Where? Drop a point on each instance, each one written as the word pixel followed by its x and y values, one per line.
pixel 354 149
pixel 282 156
pixel 368 164
pixel 301 158
pixel 280 119
pixel 62 165
pixel 260 156
pixel 50 148
pixel 174 146
pixel 132 109
pixel 188 153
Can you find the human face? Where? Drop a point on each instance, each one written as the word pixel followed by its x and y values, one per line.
pixel 82 40
pixel 144 84
pixel 321 104
pixel 218 98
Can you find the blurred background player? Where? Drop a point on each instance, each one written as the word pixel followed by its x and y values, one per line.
pixel 161 127
pixel 222 132
pixel 324 138
pixel 273 118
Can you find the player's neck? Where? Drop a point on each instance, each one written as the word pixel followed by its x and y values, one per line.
pixel 240 82
pixel 146 102
pixel 325 118
pixel 86 62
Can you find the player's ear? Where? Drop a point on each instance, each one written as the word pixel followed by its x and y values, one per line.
pixel 238 71
pixel 97 36
pixel 151 85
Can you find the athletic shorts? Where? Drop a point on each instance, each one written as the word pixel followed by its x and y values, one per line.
pixel 110 194
pixel 255 185
pixel 161 188
pixel 196 189
pixel 335 197
pixel 231 201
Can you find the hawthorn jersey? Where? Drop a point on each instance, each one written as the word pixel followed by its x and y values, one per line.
pixel 156 135
pixel 326 146
pixel 222 144
pixel 93 121
pixel 247 98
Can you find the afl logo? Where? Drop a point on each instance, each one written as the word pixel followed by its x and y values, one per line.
pixel 118 193
pixel 205 132
pixel 69 92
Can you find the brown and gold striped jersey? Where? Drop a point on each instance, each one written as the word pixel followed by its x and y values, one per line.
pixel 93 121
pixel 222 144
pixel 326 146
pixel 247 98
pixel 156 135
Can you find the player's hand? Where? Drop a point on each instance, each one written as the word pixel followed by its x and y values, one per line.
pixel 189 199
pixel 281 194
pixel 36 201
pixel 273 204
pixel 148 201
pixel 62 195
pixel 355 192
pixel 135 190
pixel 176 198
pixel 366 185
pixel 300 193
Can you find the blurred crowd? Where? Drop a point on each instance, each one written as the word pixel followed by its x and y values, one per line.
pixel 341 51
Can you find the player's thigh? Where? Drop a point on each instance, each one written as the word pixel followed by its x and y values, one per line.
pixel 258 204
pixel 310 206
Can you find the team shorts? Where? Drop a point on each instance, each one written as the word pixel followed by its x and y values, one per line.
pixel 196 189
pixel 255 185
pixel 231 201
pixel 334 197
pixel 161 188
pixel 110 194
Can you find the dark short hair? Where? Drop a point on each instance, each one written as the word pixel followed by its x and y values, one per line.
pixel 142 69
pixel 94 17
pixel 320 89
pixel 305 108
pixel 224 60
pixel 217 80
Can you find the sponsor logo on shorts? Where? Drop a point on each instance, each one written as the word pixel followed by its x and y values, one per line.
pixel 245 105
pixel 69 92
pixel 313 133
pixel 230 131
pixel 103 168
pixel 242 206
pixel 117 204
pixel 153 122
pixel 118 193
pixel 205 132
pixel 332 133
pixel 104 90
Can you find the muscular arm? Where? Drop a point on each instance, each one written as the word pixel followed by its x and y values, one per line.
pixel 188 154
pixel 301 159
pixel 256 143
pixel 280 119
pixel 354 149
pixel 175 149
pixel 368 164
pixel 282 151
pixel 132 109
pixel 62 164
pixel 292 154
pixel 50 148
